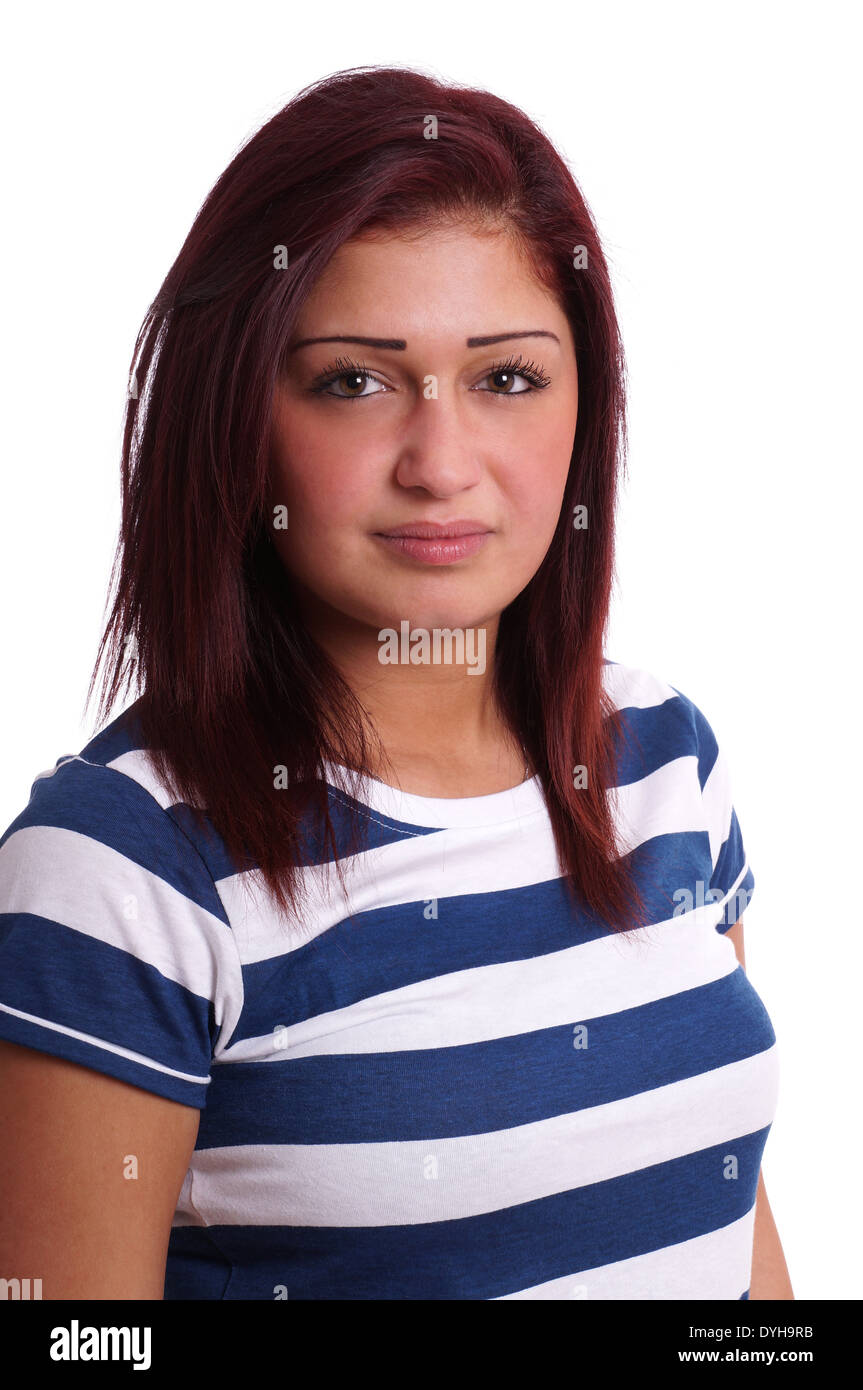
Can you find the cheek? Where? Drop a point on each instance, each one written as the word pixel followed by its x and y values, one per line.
pixel 536 485
pixel 326 483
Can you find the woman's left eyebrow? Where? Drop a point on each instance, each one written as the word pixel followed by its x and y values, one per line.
pixel 400 344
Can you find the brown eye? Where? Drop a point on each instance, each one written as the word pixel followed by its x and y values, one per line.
pixel 354 374
pixel 355 382
pixel 506 374
pixel 507 379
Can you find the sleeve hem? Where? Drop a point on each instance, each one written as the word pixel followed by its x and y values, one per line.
pixel 736 900
pixel 42 1036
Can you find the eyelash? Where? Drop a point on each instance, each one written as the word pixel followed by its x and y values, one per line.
pixel 345 366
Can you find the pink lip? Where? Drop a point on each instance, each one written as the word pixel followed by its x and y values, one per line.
pixel 437 530
pixel 434 543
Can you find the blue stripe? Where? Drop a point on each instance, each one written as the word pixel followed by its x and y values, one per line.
pixel 653 736
pixel 376 828
pixel 705 739
pixel 314 847
pixel 18 1030
pixel 122 735
pixel 103 991
pixel 737 903
pixel 112 809
pixel 500 1252
pixel 196 1267
pixel 477 1088
pixel 388 948
pixel 730 859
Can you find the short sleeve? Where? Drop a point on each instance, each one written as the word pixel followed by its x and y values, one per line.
pixel 732 881
pixel 115 948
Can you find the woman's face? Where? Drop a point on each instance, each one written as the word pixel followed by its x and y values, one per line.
pixel 430 430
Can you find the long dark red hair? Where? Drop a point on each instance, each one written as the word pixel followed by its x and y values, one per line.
pixel 231 683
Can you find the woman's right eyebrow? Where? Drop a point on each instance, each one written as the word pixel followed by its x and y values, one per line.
pixel 400 344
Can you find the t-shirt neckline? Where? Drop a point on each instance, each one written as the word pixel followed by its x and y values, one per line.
pixel 440 812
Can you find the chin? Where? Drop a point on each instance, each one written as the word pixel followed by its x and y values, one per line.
pixel 459 614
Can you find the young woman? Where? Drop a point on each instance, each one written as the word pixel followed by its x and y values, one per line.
pixel 388 944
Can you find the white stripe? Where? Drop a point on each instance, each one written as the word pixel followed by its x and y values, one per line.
pixel 667 801
pixel 138 765
pixel 91 887
pixel 451 863
pixel 501 1000
pixel 473 812
pixel 105 1046
pixel 633 688
pixel 447 863
pixel 388 1184
pixel 715 1265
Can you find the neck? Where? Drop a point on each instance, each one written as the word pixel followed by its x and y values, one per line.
pixel 428 712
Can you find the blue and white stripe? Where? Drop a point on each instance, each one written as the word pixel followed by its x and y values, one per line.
pixel 451 1084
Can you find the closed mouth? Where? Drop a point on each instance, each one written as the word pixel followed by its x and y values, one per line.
pixel 436 531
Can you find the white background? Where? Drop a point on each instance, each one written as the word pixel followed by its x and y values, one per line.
pixel 718 147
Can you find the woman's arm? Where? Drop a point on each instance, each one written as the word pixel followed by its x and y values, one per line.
pixel 90 1171
pixel 770 1278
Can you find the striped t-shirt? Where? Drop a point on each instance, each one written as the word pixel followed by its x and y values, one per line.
pixel 456 1085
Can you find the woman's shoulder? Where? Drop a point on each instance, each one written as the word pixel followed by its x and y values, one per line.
pixel 675 773
pixel 105 810
pixel 115 947
pixel 112 769
pixel 657 711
